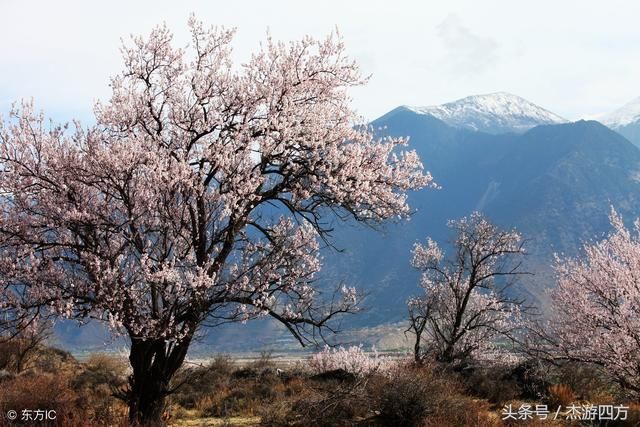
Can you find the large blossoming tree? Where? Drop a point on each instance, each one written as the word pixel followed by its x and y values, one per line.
pixel 199 198
pixel 596 305
pixel 467 302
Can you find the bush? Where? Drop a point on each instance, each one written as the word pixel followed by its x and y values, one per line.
pixel 426 395
pixel 45 391
pixel 102 376
pixel 561 395
pixel 197 383
pixel 54 360
pixel 496 384
pixel 404 399
pixel 219 389
pixel 404 396
pixel 532 378
pixel 590 382
pixel 337 407
pixel 81 394
pixel 52 392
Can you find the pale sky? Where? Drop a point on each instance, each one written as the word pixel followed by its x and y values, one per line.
pixel 575 58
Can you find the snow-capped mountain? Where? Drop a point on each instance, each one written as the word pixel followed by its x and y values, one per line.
pixel 625 120
pixel 499 112
pixel 623 116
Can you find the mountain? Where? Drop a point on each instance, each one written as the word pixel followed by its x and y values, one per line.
pixel 555 183
pixel 499 112
pixel 626 121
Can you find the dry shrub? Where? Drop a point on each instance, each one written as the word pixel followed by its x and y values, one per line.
pixel 633 415
pixel 9 353
pixel 321 400
pixel 81 394
pixel 18 347
pixel 219 389
pixel 245 395
pixel 265 361
pixel 407 398
pixel 196 386
pixel 496 384
pixel 44 391
pixel 238 400
pixel 54 360
pixel 293 386
pixel 338 408
pixel 96 383
pixel 532 377
pixel 590 381
pixel 429 395
pixel 561 395
pixel 31 391
pixel 465 411
pixel 13 358
pixel 278 414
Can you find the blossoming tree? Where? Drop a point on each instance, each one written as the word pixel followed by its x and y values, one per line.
pixel 596 305
pixel 466 304
pixel 199 198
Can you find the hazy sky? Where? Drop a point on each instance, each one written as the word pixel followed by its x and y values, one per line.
pixel 576 58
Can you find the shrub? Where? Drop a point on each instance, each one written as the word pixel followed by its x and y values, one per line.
pixel 404 399
pixel 591 382
pixel 265 361
pixel 54 360
pixel 200 382
pixel 335 407
pixel 277 414
pixel 102 376
pixel 532 377
pixel 561 395
pixel 51 392
pixel 496 384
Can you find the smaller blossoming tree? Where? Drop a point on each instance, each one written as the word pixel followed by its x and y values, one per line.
pixel 596 305
pixel 467 304
pixel 353 360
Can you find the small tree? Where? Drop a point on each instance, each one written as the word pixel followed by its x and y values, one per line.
pixel 466 305
pixel 19 346
pixel 596 305
pixel 199 198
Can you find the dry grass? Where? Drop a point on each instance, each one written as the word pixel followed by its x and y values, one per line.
pixel 561 395
pixel 217 422
pixel 79 393
pixel 223 393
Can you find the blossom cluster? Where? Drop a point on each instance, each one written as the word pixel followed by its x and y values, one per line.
pixel 352 359
pixel 596 304
pixel 202 192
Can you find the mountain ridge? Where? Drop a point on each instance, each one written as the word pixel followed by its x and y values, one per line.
pixel 498 112
pixel 625 120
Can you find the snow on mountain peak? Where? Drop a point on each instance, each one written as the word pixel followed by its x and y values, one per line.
pixel 623 116
pixel 494 113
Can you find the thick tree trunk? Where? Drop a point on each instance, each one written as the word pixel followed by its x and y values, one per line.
pixel 154 362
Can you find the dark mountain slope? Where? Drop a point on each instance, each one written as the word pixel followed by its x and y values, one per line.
pixel 554 183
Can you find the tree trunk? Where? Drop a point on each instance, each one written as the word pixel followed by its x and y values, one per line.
pixel 417 347
pixel 154 362
pixel 447 355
